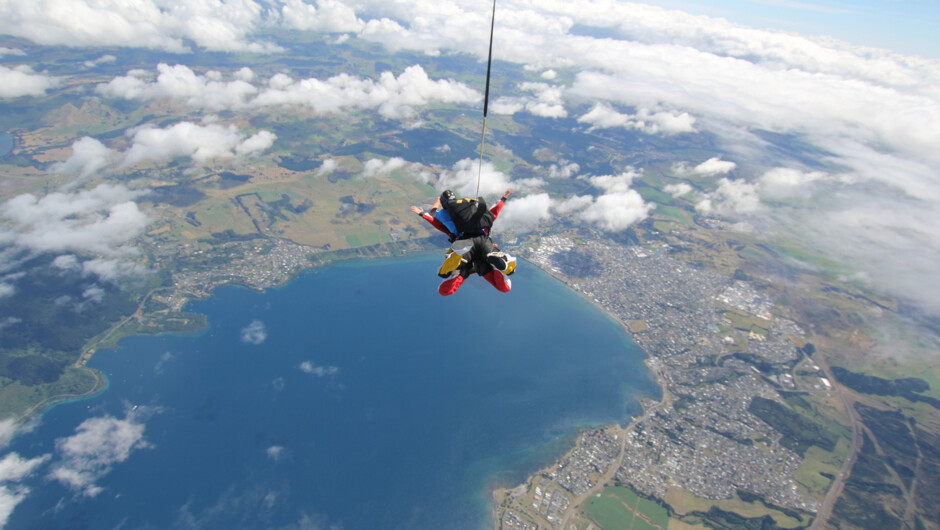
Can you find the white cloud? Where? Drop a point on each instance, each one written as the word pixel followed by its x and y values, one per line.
pixel 154 24
pixel 309 367
pixel 524 213
pixel 867 165
pixel 462 179
pixel 573 204
pixel 507 105
pixel 709 168
pixel 375 166
pixel 8 426
pixel 104 59
pixel 714 166
pixel 181 83
pixel 5 323
pixel 6 289
pixel 100 221
pixel 897 248
pixel 67 262
pixel 254 333
pixel 253 145
pixel 603 116
pixel 786 182
pixel 202 143
pixel 274 452
pixel 614 183
pixel 22 81
pixel 546 101
pixel 393 97
pixel 677 190
pixel 164 359
pixel 111 269
pixel 617 210
pixel 328 16
pixel 328 166
pixel 13 469
pixel 872 115
pixel 528 184
pixel 98 444
pixel 563 170
pixel 89 156
pixel 732 197
pixel 94 293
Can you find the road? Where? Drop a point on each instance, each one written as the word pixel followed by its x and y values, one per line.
pixel 835 489
pixel 80 364
pixel 604 480
pixel 601 482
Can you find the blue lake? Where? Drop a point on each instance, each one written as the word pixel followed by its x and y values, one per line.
pixel 354 397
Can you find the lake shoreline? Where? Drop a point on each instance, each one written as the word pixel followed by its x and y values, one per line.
pixel 486 496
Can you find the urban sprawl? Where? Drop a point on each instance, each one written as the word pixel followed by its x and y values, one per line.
pixel 701 436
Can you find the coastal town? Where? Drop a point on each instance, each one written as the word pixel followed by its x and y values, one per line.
pixel 715 345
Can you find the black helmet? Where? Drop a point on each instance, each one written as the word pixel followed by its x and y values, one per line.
pixel 447 197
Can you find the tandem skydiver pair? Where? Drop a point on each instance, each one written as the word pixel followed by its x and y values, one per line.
pixel 467 223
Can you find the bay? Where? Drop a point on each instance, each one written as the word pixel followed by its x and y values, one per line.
pixel 353 397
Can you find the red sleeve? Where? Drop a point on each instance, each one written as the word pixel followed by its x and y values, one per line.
pixel 496 209
pixel 435 223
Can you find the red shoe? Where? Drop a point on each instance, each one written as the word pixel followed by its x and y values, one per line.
pixel 499 281
pixel 450 285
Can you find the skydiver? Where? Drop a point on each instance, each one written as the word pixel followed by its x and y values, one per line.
pixel 471 251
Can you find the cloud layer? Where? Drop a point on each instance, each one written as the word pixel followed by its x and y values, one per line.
pixel 869 118
pixel 393 97
pixel 872 118
pixel 155 24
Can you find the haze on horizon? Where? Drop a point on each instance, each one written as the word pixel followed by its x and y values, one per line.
pixel 905 27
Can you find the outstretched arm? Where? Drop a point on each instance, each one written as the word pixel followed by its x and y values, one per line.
pixel 499 206
pixel 430 218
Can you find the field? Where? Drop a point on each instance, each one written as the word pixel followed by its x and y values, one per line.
pixel 691 509
pixel 619 508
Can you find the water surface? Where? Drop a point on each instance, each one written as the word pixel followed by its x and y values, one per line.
pixel 354 396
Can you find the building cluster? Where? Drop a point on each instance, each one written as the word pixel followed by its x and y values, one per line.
pixel 714 344
pixel 257 264
pixel 580 469
pixel 550 501
pixel 550 495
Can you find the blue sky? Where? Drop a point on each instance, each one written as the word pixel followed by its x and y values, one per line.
pixel 905 26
